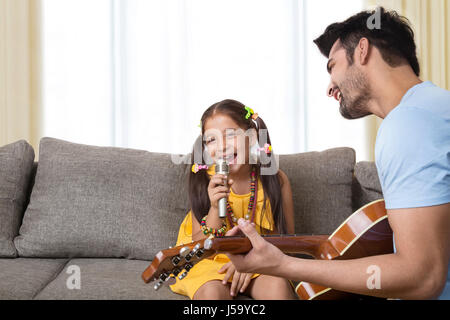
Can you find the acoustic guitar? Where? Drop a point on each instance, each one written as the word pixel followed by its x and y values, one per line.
pixel 365 233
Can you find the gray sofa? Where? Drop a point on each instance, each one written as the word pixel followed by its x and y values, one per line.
pixel 107 211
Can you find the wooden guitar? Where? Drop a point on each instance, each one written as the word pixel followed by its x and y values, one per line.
pixel 365 233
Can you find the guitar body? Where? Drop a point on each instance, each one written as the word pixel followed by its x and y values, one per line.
pixel 365 233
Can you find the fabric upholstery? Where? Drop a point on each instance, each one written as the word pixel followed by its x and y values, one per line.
pixel 366 184
pixel 16 163
pixel 321 186
pixel 102 202
pixel 23 278
pixel 101 279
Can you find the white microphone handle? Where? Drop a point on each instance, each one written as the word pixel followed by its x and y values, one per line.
pixel 222 168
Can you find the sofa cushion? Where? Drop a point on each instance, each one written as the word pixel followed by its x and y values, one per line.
pixel 322 188
pixel 23 278
pixel 102 202
pixel 100 279
pixel 366 184
pixel 16 164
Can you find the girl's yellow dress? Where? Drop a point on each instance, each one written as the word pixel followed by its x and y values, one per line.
pixel 207 269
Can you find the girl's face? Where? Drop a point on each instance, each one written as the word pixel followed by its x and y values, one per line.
pixel 224 139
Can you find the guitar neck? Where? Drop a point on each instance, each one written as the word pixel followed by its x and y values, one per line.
pixel 309 245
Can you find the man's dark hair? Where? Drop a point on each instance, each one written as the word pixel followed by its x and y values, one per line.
pixel 394 39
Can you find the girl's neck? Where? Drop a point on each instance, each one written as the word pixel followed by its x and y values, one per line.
pixel 243 174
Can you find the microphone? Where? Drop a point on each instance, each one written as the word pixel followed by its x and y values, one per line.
pixel 222 168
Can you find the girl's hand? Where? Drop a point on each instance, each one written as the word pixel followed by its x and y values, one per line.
pixel 240 281
pixel 217 189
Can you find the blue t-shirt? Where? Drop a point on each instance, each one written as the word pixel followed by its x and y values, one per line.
pixel 412 152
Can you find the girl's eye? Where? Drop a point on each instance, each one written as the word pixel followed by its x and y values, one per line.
pixel 231 135
pixel 208 141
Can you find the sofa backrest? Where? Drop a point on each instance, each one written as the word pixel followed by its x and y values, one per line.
pixel 112 202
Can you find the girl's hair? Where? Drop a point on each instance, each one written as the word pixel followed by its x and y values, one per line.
pixel 198 182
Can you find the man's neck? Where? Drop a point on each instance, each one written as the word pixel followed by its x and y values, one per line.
pixel 389 89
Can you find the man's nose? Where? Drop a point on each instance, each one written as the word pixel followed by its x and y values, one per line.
pixel 330 90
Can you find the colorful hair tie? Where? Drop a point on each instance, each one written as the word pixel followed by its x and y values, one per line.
pixel 250 112
pixel 197 167
pixel 267 148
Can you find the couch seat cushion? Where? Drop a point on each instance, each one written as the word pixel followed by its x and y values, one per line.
pixel 23 278
pixel 105 279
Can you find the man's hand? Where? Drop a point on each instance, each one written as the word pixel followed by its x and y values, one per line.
pixel 264 258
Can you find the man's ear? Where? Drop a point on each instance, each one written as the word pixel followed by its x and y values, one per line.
pixel 363 51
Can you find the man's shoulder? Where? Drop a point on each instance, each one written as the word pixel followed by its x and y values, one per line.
pixel 407 122
pixel 418 127
pixel 427 100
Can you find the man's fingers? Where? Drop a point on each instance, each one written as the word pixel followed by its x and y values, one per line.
pixel 233 232
pixel 249 230
pixel 236 259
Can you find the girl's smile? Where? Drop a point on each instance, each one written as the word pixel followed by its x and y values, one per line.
pixel 224 139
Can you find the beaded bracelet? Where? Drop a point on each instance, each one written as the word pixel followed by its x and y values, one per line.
pixel 206 230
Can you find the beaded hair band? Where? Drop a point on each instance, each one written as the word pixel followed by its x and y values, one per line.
pixel 251 113
pixel 197 167
pixel 267 149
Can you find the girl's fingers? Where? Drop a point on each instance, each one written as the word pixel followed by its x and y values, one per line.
pixel 241 282
pixel 228 275
pixel 248 278
pixel 224 267
pixel 218 180
pixel 219 196
pixel 220 189
pixel 234 283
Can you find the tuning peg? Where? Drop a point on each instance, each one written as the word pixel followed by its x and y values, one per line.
pixel 176 271
pixel 183 275
pixel 208 244
pixel 176 260
pixel 158 285
pixel 184 251
pixel 196 248
pixel 171 280
pixel 199 253
pixel 187 267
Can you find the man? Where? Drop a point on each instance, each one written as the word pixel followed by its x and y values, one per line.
pixel 375 71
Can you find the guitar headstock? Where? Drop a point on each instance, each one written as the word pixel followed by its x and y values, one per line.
pixel 176 262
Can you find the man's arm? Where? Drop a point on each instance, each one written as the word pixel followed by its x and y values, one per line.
pixel 418 269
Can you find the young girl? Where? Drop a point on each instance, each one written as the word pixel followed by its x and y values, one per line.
pixel 266 200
